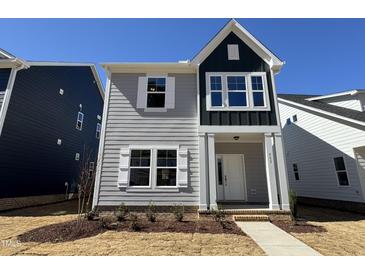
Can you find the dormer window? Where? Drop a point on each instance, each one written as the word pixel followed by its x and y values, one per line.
pixel 237 91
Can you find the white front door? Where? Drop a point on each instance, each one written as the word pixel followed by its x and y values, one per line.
pixel 231 177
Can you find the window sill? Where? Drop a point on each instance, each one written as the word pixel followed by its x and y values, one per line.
pixel 155 110
pixel 153 190
pixel 239 109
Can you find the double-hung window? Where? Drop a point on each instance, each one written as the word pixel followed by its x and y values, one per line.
pixel 140 167
pixel 258 92
pixel 216 91
pixel 341 171
pixel 166 167
pixel 80 120
pixel 237 93
pixel 156 88
pixel 157 168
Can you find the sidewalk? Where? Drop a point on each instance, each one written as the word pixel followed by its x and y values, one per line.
pixel 274 241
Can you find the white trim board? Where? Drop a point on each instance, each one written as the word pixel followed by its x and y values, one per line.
pixel 320 111
pixel 239 129
pixel 102 141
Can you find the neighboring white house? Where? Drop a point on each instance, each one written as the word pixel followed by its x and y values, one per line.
pixel 324 139
pixel 196 133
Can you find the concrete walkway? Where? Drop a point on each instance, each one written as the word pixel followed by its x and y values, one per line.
pixel 274 241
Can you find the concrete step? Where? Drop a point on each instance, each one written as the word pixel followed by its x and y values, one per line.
pixel 251 218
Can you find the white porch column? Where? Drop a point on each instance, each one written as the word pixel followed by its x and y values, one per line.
pixel 282 171
pixel 212 173
pixel 270 172
pixel 204 199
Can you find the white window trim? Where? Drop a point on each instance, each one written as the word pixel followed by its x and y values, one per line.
pixel 336 171
pixel 139 167
pixel 153 169
pixel 82 120
pixel 154 109
pixel 249 92
pixel 265 90
pixel 225 94
pixel 175 167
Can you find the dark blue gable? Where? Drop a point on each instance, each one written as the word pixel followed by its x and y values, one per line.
pixel 31 162
pixel 249 61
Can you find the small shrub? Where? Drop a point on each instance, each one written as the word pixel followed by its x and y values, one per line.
pixel 178 213
pixel 92 215
pixel 109 222
pixel 134 222
pixel 219 216
pixel 293 204
pixel 122 212
pixel 151 212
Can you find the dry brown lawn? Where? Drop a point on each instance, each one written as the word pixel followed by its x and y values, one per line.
pixel 17 222
pixel 345 234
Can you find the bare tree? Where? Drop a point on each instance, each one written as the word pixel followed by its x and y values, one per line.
pixel 86 182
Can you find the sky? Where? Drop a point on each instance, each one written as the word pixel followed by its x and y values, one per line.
pixel 322 55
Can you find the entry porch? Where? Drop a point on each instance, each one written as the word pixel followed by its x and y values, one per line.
pixel 242 171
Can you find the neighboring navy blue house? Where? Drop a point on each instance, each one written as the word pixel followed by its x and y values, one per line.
pixel 50 118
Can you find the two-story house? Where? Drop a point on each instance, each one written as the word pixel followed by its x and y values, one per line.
pixel 325 147
pixel 50 118
pixel 197 133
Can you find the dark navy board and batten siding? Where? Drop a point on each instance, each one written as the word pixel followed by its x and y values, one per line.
pixel 31 162
pixel 4 79
pixel 249 61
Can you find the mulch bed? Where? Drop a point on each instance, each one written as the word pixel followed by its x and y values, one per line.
pixel 64 232
pixel 298 227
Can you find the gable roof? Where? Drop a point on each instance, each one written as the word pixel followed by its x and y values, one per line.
pixel 233 26
pixel 351 115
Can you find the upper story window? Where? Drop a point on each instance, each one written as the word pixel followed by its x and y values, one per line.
pixel 258 92
pixel 156 88
pixel 80 120
pixel 98 130
pixel 237 91
pixel 156 93
pixel 233 52
pixel 216 91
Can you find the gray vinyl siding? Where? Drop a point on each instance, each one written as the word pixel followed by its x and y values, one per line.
pixel 127 125
pixel 312 143
pixel 256 183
